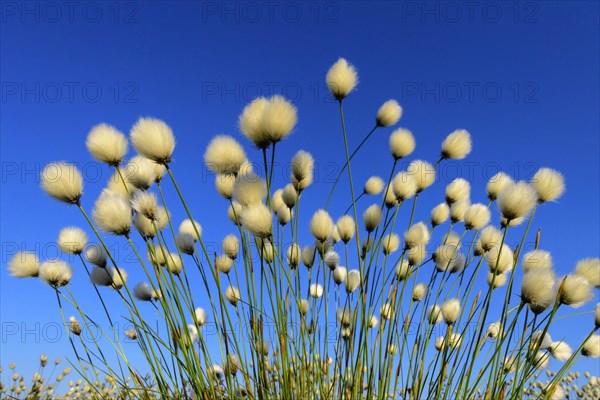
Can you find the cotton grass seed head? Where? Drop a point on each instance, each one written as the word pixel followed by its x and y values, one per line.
pixel 597 316
pixel 457 190
pixel 284 215
pixel 434 314
pixel 591 347
pixel 477 216
pixel 153 139
pixel 494 330
pixel 560 350
pixel 341 79
pixel 447 257
pixel 142 291
pixel 548 183
pixel 497 184
pixel 346 228
pixel 146 204
pixel 231 246
pixel 373 186
pixel 321 225
pixel 419 291
pixel 517 200
pixel 390 243
pixel 332 259
pixel 339 275
pixel 106 144
pixel 63 182
pixel 389 113
pixel 404 186
pixel 174 263
pixel 500 259
pixel 224 155
pixel 293 255
pixel 353 280
pixel 201 316
pixel 315 290
pixel 490 237
pixel 308 256
pixel 112 214
pixel 55 273
pixel 372 217
pixel 416 235
pixel 72 240
pixel 249 189
pixel 423 172
pixel 451 311
pixel 289 195
pixel 575 291
pixel 302 170
pixel 402 143
pixel 142 172
pixel 96 255
pixel 266 121
pixel 536 259
pixel 191 228
pixel 402 270
pixel 496 280
pixel 440 214
pixel 24 264
pixel 223 263
pixel 257 220
pixel 537 289
pixel 233 295
pixel 589 268
pixel 457 145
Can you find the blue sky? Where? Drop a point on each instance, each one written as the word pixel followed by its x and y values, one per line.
pixel 522 77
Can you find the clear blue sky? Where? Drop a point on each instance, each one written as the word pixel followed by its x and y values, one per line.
pixel 522 77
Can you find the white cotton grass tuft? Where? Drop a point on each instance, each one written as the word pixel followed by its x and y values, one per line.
pixel 440 214
pixel 536 259
pixel 149 228
pixel 404 186
pixel 339 275
pixel 321 225
pixel 234 213
pixel 490 237
pixel 266 250
pixel 574 290
pixel 119 184
pixel 302 170
pixel 419 291
pixel 416 254
pixel 331 258
pixel 106 144
pixel 142 172
pixel 72 240
pixel 277 200
pixel 96 255
pixel 477 216
pixel 112 213
pixel 266 121
pixel 315 290
pixel 591 347
pixel 223 263
pixel 373 186
pixel 389 198
pixel 231 246
pixel 308 256
pixel 289 195
pixel 457 145
pixel 293 255
pixel 500 259
pixel 416 235
pixel 513 222
pixel 402 143
pixel 224 185
pixel 142 291
pixel 24 264
pixel 257 220
pixel 353 280
pixel 494 330
pixel 451 311
pixel 386 311
pixel 517 200
pixel 496 280
pixel 589 268
pixel 62 181
pixel 146 204
pixel 497 184
pixel 201 316
pixel 390 243
pixel 434 314
pixel 447 257
pixel 537 289
pixel 597 316
pixel 423 172
pixel 372 217
pixel 346 228
pixel 153 139
pixel 233 295
pixel 548 183
pixel 560 350
pixel 458 190
pixel 402 270
pixel 191 228
pixel 249 190
pixel 389 113
pixel 341 79
pixel 55 273
pixel 224 155
pixel 185 243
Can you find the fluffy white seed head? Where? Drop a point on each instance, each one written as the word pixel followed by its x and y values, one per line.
pixel 145 203
pixel 458 190
pixel 268 120
pixel 231 246
pixel 490 237
pixel 537 289
pixel 234 213
pixel 575 291
pixel 308 256
pixel 302 170
pixel 346 228
pixel 257 220
pixel 591 347
pixel 284 215
pixel 72 240
pixel 332 259
pixel 440 214
pixel 101 276
pixel 589 268
pixel 402 270
pixel 55 273
pixel 423 172
pixel 153 139
pixel 390 243
pixel 477 216
pixel 497 184
pixel 321 225
pixel 224 185
pixel 341 79
pixel 496 280
pixel 112 213
pixel 451 310
pixel 353 280
pixel 404 186
pixel 223 263
pixel 374 185
pixel 416 235
pixel 233 295
pixel 276 200
pixel 249 189
pixel 106 144
pixel 434 314
pixel 201 316
pixel 142 172
pixel 447 257
pixel 266 249
pixel 597 316
pixel 24 264
pixel 289 195
pixel 536 259
pixel 402 143
pixel 560 350
pixel 293 255
pixel 62 181
pixel 96 255
pixel 500 259
pixel 339 275
pixel 386 311
pixel 224 155
pixel 173 262
pixel 548 183
pixel 389 198
pixel 121 185
pixel 389 113
pixel 416 254
pixel 494 330
pixel 315 290
pixel 372 217
pixel 190 228
pixel 142 291
pixel 517 200
pixel 457 145
pixel 419 291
